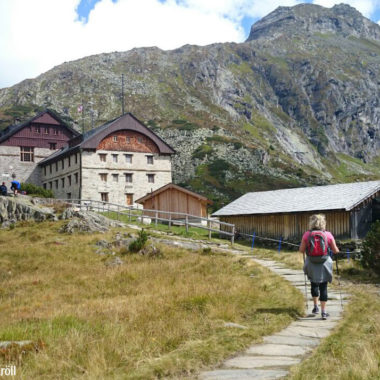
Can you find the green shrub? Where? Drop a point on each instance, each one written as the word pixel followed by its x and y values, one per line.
pixel 31 189
pixel 371 249
pixel 139 243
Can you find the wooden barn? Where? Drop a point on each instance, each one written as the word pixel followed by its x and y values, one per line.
pixel 175 199
pixel 349 208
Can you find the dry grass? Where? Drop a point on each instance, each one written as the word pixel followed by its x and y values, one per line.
pixel 149 318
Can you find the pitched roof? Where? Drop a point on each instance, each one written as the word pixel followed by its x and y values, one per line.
pixel 92 138
pixel 318 198
pixel 11 130
pixel 172 186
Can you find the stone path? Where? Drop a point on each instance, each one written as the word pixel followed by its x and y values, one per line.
pixel 273 358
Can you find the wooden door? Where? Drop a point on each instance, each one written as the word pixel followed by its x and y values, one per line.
pixel 129 199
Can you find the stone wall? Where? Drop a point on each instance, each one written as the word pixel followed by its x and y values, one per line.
pixel 57 177
pixel 115 184
pixel 10 163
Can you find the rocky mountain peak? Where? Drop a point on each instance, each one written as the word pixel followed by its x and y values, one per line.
pixel 341 19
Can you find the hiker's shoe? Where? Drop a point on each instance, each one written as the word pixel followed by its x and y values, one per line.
pixel 325 315
pixel 315 310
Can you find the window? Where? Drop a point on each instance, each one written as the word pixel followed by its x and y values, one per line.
pixel 128 177
pixel 69 179
pixel 44 170
pixel 55 131
pixel 103 177
pixel 69 160
pixel 37 129
pixel 104 197
pixel 76 158
pixel 140 140
pixel 63 182
pixel 128 140
pixel 52 146
pixel 115 177
pixel 68 195
pixel 150 178
pixel 56 166
pixel 50 185
pixel 56 184
pixel 44 186
pixel 63 163
pixel 114 158
pixel 76 177
pixel 128 158
pixel 149 160
pixel 46 130
pixel 50 168
pixel 102 157
pixel 114 138
pixel 27 154
pixel 129 199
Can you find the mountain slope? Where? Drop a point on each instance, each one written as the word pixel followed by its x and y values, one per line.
pixel 296 104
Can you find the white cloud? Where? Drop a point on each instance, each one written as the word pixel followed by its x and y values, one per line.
pixel 365 7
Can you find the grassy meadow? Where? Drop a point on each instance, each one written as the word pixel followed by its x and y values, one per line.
pixel 148 318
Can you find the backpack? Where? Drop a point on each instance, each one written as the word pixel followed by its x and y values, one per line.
pixel 317 244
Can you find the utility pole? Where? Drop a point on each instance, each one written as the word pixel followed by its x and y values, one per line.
pixel 122 94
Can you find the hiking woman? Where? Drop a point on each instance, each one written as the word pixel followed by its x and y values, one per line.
pixel 318 265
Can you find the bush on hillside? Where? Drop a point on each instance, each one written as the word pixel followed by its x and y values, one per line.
pixel 371 249
pixel 31 189
pixel 139 243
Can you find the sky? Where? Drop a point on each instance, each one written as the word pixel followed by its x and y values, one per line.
pixel 36 35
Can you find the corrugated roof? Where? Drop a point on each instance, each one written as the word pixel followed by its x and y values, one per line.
pixel 318 198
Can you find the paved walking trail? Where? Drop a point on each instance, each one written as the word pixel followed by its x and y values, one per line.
pixel 273 358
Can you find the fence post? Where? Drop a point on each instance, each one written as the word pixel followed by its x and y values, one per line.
pixel 156 218
pixel 348 255
pixel 209 229
pixel 279 245
pixel 253 239
pixel 129 214
pixel 233 235
pixel 170 220
pixel 187 224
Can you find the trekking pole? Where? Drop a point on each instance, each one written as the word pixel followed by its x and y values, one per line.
pixel 338 277
pixel 304 275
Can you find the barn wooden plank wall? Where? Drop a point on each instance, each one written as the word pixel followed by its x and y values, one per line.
pixel 176 201
pixel 289 226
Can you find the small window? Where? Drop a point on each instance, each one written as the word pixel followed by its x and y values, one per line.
pixel 44 186
pixel 63 163
pixel 56 184
pixel 56 166
pixel 128 158
pixel 69 179
pixel 115 177
pixel 69 160
pixel 150 178
pixel 103 177
pixel 44 170
pixel 102 157
pixel 37 129
pixel 128 177
pixel 52 146
pixel 55 131
pixel 115 158
pixel 27 154
pixel 128 140
pixel 76 158
pixel 68 195
pixel 140 140
pixel 114 138
pixel 63 182
pixel 104 197
pixel 76 177
pixel 50 168
pixel 149 160
pixel 46 130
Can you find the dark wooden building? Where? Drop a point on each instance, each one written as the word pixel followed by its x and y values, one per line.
pixel 349 208
pixel 175 199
